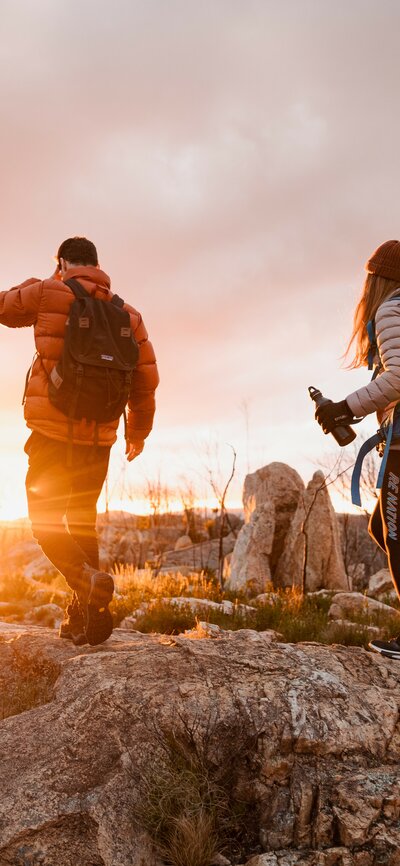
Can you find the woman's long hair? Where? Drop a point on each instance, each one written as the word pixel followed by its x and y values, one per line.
pixel 375 290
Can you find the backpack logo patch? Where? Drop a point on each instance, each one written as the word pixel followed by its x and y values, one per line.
pixel 56 379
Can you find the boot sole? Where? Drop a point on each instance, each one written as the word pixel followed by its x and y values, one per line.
pixel 101 589
pixel 99 625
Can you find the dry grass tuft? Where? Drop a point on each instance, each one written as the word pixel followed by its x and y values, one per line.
pixel 189 800
pixel 136 585
pixel 177 810
pixel 192 840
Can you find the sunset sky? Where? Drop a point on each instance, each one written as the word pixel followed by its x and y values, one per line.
pixel 235 162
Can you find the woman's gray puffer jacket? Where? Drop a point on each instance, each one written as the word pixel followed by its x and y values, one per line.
pixel 384 391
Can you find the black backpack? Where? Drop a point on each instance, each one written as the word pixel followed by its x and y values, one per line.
pixel 93 377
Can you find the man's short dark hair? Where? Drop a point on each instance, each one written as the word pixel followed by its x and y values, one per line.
pixel 78 251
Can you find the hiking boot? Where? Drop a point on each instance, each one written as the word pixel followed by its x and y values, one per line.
pixel 73 625
pixel 390 648
pixel 95 594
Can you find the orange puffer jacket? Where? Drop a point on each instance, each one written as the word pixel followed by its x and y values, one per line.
pixel 45 305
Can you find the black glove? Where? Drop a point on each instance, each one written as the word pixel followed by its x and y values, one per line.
pixel 331 415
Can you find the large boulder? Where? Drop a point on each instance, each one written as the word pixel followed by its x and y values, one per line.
pixel 355 603
pixel 312 554
pixel 121 545
pixel 249 568
pixel 304 740
pixel 362 556
pixel 182 542
pixel 270 497
pixel 381 584
pixel 278 487
pixel 26 558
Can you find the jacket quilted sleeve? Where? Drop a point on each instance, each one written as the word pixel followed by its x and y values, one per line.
pixel 385 389
pixel 145 378
pixel 19 306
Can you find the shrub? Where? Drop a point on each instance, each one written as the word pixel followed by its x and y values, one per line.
pixel 296 617
pixel 165 618
pixel 29 683
pixel 14 589
pixel 136 585
pixel 189 799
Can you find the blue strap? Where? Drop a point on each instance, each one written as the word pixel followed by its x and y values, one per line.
pixel 385 456
pixel 355 478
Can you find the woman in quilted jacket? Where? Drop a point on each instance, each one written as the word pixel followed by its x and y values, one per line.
pixel 378 302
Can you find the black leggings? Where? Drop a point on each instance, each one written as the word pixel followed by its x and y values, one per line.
pixel 384 525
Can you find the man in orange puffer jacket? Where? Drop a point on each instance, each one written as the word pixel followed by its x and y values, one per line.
pixel 62 492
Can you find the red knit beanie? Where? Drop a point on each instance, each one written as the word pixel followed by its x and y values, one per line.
pixel 385 261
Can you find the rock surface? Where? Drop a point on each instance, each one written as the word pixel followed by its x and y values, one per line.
pixel 279 487
pixel 198 556
pixel 345 603
pixel 380 584
pixel 270 497
pixel 362 556
pixel 197 605
pixel 313 537
pixel 182 542
pixel 249 567
pixel 314 739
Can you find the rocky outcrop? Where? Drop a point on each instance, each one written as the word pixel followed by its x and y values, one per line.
pixel 197 605
pixel 197 556
pixel 362 557
pixel 279 487
pixel 346 604
pixel 121 545
pixel 270 498
pixel 381 584
pixel 182 542
pixel 307 736
pixel 313 543
pixel 291 535
pixel 249 564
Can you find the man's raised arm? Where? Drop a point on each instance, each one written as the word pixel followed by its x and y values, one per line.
pixel 19 306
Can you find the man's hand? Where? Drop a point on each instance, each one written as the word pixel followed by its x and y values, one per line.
pixel 331 415
pixel 133 449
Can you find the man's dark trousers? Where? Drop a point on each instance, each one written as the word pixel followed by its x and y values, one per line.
pixel 63 485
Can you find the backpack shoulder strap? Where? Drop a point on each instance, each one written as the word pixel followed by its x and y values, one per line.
pixel 119 302
pixel 77 289
pixel 80 292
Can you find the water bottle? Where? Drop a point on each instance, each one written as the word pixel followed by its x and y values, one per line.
pixel 343 434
